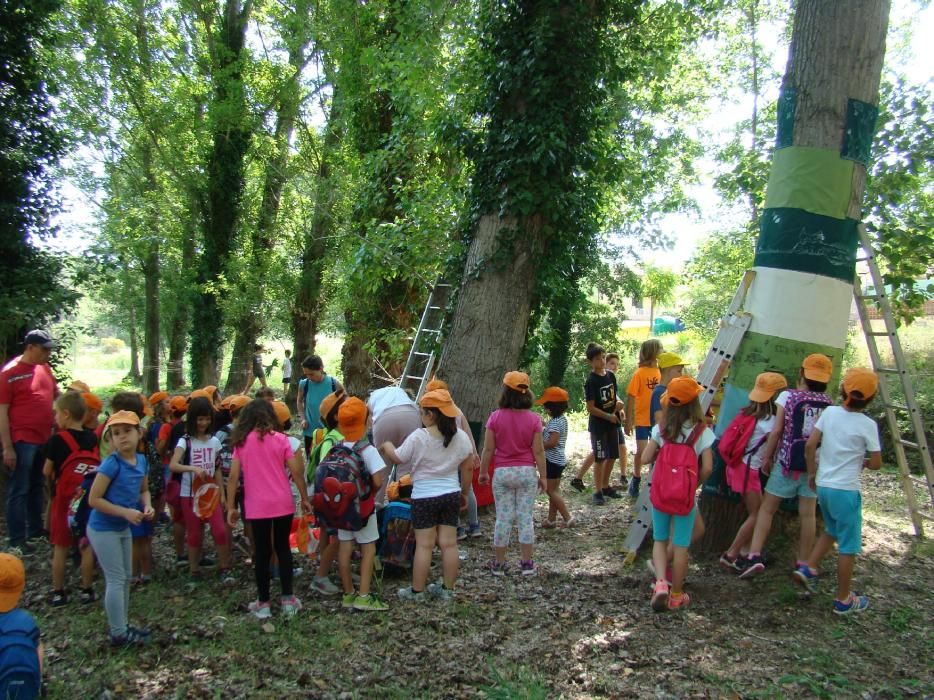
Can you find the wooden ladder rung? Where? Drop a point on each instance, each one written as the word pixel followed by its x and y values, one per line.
pixel 889 370
pixel 909 443
pixel 899 407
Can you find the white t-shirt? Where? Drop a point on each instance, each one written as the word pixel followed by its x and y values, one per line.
pixel 203 454
pixel 371 458
pixel 703 442
pixel 762 430
pixel 434 466
pixel 387 397
pixel 286 368
pixel 846 437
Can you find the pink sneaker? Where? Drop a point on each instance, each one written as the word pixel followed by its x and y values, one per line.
pixel 660 596
pixel 676 602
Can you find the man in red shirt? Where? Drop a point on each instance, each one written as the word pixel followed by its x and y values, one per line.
pixel 27 391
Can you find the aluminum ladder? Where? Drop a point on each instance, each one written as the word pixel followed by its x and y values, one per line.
pixel 425 345
pixel 910 408
pixel 733 327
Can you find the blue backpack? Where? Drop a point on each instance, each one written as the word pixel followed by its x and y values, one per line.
pixel 20 678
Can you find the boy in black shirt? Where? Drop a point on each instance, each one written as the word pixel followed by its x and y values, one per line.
pixel 600 393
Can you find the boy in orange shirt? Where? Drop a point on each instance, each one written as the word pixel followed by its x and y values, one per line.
pixel 638 403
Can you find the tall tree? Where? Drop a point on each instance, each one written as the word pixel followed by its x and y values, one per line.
pixel 658 284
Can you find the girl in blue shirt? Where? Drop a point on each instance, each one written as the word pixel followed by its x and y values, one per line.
pixel 117 490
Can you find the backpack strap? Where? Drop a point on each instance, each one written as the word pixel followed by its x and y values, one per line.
pixel 696 433
pixel 333 385
pixel 69 440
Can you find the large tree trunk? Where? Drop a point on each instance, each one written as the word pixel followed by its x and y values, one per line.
pixel 225 179
pixel 490 321
pixel 806 254
pixel 133 375
pixel 152 339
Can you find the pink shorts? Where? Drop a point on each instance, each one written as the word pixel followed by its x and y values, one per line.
pixel 744 480
pixel 193 525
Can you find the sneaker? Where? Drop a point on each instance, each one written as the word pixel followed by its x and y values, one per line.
pixel 731 564
pixel 598 500
pixel 675 602
pixel 474 530
pixel 805 577
pixel 437 590
pixel 461 533
pixel 348 599
pixel 227 577
pixel 498 568
pixel 132 637
pixel 259 610
pixel 570 522
pixel 528 568
pixel 634 486
pixel 408 593
pixel 181 560
pixel 611 493
pixel 87 596
pixel 754 567
pixel 660 596
pixel 141 631
pixel 58 599
pixel 857 603
pixel 323 585
pixel 623 483
pixel 369 603
pixel 206 562
pixel 577 485
pixel 290 605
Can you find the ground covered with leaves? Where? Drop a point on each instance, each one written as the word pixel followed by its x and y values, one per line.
pixel 581 628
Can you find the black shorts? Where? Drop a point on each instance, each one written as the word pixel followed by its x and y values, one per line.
pixel 605 444
pixel 554 471
pixel 258 370
pixel 437 510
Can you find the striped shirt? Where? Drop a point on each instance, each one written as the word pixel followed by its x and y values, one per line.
pixel 559 425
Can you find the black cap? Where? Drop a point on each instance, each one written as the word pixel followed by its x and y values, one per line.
pixel 39 337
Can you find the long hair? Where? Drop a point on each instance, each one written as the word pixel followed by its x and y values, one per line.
pixel 256 416
pixel 760 409
pixel 445 424
pixel 510 398
pixel 198 408
pixel 650 349
pixel 675 416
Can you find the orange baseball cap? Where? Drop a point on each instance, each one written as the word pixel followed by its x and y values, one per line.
pixel 440 399
pixel 79 386
pixel 235 402
pixel 147 407
pixel 860 383
pixel 519 381
pixel 158 397
pixel 682 390
pixel 12 581
pixel 283 414
pixel 436 384
pixel 553 394
pixel 330 401
pixel 351 419
pixel 178 404
pixel 92 401
pixel 200 394
pixel 817 367
pixel 767 384
pixel 122 418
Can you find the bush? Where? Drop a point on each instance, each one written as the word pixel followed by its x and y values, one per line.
pixel 111 346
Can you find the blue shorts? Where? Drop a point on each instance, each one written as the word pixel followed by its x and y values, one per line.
pixel 643 432
pixel 677 527
pixel 843 517
pixel 786 487
pixel 604 444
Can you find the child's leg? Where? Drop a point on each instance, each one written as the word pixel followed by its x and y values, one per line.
pixel 760 533
pixel 845 565
pixel 59 557
pixel 281 528
pixel 697 532
pixel 473 517
pixel 556 503
pixel 262 529
pixel 752 500
pixel 113 553
pixel 343 564
pixel 221 541
pixel 87 567
pixel 450 561
pixel 637 458
pixel 194 535
pixel 823 545
pixel 526 491
pixel 505 497
pixel 327 552
pixel 584 468
pixel 679 569
pixel 599 466
pixel 145 557
pixel 807 511
pixel 683 529
pixel 424 546
pixel 368 551
pixel 606 473
pixel 623 460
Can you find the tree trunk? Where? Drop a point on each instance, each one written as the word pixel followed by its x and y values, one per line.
pixel 152 339
pixel 651 314
pixel 490 321
pixel 558 354
pixel 806 254
pixel 133 375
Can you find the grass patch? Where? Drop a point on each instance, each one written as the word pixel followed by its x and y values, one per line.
pixel 515 683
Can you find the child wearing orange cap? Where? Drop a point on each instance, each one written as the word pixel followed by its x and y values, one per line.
pixel 639 405
pixel 682 421
pixel 845 434
pixel 327 539
pixel 20 635
pixel 92 411
pixel 67 474
pixel 796 413
pixel 169 434
pixel 554 436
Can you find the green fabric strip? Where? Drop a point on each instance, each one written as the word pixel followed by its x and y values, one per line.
pixel 766 353
pixel 787 106
pixel 793 239
pixel 817 180
pixel 861 120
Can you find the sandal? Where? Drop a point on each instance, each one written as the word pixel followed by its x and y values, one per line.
pixel 549 524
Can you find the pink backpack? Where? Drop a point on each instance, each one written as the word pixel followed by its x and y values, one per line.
pixel 674 481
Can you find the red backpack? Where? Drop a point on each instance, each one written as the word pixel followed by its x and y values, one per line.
pixel 735 449
pixel 674 480
pixel 78 465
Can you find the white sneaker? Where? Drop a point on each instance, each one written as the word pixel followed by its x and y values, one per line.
pixel 259 610
pixel 323 585
pixel 290 605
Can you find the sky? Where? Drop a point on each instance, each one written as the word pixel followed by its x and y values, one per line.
pixel 916 58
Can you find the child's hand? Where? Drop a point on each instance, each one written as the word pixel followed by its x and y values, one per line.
pixel 133 516
pixel 232 516
pixel 304 423
pixel 484 478
pixel 812 481
pixel 149 513
pixel 542 486
pixel 476 462
pixel 627 429
pixel 306 506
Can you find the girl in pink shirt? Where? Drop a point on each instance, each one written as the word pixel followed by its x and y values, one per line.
pixel 514 436
pixel 260 452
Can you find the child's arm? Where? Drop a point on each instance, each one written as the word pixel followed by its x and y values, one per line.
pixel 706 459
pixel 600 413
pixel 177 467
pixel 810 456
pixel 489 447
pixel 146 498
pixel 378 480
pixel 219 480
pixel 650 452
pixel 874 461
pixel 232 482
pixel 97 501
pixel 388 451
pixel 48 469
pixel 552 440
pixel 768 457
pixel 630 413
pixel 298 477
pixel 538 449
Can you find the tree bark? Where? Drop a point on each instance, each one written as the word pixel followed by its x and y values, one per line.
pixel 491 318
pixel 152 340
pixel 133 374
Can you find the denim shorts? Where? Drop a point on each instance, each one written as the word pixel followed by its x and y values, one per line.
pixel 843 517
pixel 787 487
pixel 643 432
pixel 677 527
